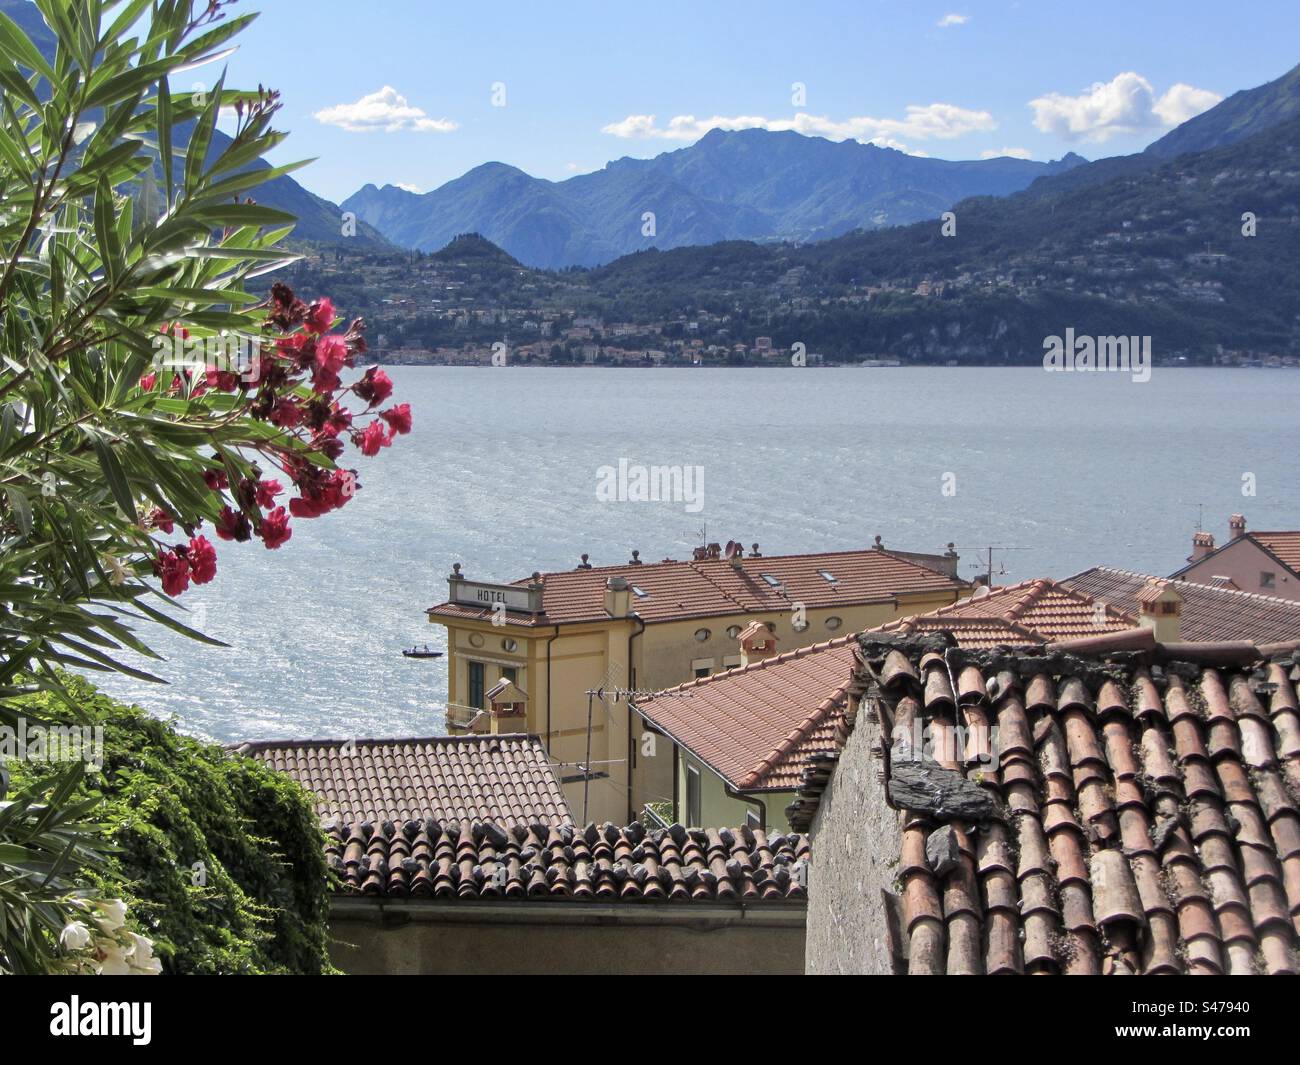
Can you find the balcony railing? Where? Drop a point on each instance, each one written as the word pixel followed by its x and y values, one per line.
pixel 466 718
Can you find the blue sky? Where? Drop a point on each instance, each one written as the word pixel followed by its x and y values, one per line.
pixel 397 91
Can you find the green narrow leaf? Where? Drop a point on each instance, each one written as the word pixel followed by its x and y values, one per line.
pixel 105 234
pixel 15 44
pixel 22 510
pixel 117 481
pixel 164 128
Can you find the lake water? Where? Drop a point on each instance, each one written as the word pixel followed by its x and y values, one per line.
pixel 500 474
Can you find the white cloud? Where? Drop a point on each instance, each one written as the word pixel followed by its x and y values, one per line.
pixel 998 153
pixel 1183 102
pixel 385 111
pixel 406 186
pixel 938 120
pixel 1125 104
pixel 952 20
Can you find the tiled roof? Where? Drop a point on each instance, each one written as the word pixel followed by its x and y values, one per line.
pixel 1143 814
pixel 1209 612
pixel 1030 613
pixel 716 587
pixel 757 726
pixel 499 778
pixel 450 860
pixel 1285 545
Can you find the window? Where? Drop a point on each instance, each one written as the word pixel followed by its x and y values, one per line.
pixel 702 667
pixel 693 817
pixel 827 575
pixel 510 673
pixel 1266 579
pixel 640 593
pixel 702 634
pixel 509 645
pixel 476 685
pixel 770 580
pixel 833 623
pixel 733 631
pixel 753 820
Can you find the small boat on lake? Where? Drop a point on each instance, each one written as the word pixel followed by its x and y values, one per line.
pixel 421 652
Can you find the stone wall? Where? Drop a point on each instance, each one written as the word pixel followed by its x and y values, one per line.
pixel 855 839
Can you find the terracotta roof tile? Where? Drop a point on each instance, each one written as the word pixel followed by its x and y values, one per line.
pixel 499 778
pixel 1144 818
pixel 1209 612
pixel 473 860
pixel 1285 545
pixel 758 726
pixel 1031 613
pixel 713 587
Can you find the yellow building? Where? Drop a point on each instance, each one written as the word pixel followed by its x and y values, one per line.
pixel 559 636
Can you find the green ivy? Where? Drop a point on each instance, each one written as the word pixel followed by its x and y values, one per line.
pixel 218 857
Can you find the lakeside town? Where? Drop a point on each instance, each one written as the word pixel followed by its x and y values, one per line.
pixel 468 307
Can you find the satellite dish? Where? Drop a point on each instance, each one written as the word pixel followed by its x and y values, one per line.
pixel 982 592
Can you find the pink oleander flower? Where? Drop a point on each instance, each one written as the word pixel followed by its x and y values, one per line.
pixel 202 557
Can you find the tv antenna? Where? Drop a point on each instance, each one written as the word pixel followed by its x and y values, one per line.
pixel 987 550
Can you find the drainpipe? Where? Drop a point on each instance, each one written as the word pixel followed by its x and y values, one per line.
pixel 550 640
pixel 743 797
pixel 631 683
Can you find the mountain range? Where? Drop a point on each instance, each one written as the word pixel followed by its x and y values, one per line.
pixel 762 186
pixel 748 184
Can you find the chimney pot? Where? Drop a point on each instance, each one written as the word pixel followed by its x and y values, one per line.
pixel 1160 608
pixel 1237 526
pixel 757 642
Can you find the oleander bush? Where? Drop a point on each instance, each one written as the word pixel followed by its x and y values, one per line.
pixel 149 399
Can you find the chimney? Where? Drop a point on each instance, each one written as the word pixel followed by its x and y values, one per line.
pixel 508 708
pixel 618 597
pixel 1160 608
pixel 950 560
pixel 1202 545
pixel 1236 526
pixel 757 642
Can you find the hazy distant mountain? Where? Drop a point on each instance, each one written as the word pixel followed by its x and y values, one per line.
pixel 318 219
pixel 747 184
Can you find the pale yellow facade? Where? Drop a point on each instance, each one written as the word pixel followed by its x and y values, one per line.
pixel 556 665
pixel 719 804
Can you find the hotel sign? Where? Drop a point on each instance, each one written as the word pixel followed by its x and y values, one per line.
pixel 483 594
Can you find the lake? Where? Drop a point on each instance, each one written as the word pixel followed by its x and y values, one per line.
pixel 500 474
